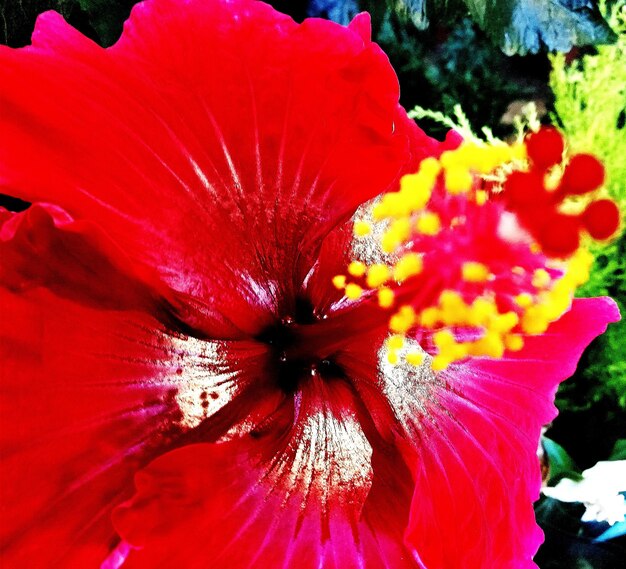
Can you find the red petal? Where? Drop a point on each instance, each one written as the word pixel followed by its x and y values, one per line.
pixel 216 143
pixel 306 497
pixel 478 472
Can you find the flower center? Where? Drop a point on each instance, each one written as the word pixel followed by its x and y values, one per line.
pixel 295 358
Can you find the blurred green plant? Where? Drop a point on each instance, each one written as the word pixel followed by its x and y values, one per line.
pixel 590 106
pixel 517 26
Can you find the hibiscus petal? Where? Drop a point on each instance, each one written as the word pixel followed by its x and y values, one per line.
pixel 89 396
pixel 97 378
pixel 306 497
pixel 477 470
pixel 215 143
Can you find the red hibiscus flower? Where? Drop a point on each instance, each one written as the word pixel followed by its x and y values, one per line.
pixel 182 385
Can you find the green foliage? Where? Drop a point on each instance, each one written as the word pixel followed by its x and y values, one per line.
pixel 436 73
pixel 521 26
pixel 590 103
pixel 101 20
pixel 517 26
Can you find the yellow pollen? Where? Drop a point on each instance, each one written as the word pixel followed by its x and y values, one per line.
pixel 398 232
pixel 362 228
pixel 449 158
pixel 428 223
pixel 430 167
pixel 481 311
pixel 535 320
pixel 339 281
pixel 491 344
pixel 409 265
pixel 443 338
pixel 481 197
pixel 377 275
pixel 357 269
pixel 504 322
pixel 402 320
pixel 430 317
pixel 415 358
pixel 541 278
pixel 385 297
pixel 474 272
pixel 353 291
pixel 395 342
pixel 440 363
pixel 524 300
pixel 514 342
pixel 392 357
pixel 458 179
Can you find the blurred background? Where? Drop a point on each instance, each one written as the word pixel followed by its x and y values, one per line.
pixel 479 64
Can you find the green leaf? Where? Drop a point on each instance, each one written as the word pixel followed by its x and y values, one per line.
pixel 619 450
pixel 107 17
pixel 561 464
pixel 521 26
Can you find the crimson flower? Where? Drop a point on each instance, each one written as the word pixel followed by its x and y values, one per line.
pixel 182 385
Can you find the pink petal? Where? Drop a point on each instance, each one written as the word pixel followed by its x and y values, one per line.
pixel 477 469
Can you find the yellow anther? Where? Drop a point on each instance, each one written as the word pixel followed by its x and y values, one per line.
pixel 389 242
pixel 409 265
pixel 402 228
pixel 430 167
pixel 513 342
pixel 440 363
pixel 430 317
pixel 454 352
pixel 450 299
pixel 491 344
pixel 377 275
pixel 362 228
pixel 385 297
pixel 541 278
pixel 392 357
pixel 357 269
pixel 443 338
pixel 339 281
pixel 518 270
pixel 535 320
pixel 402 320
pixel 397 233
pixel 481 310
pixel 379 211
pixel 428 223
pixel 458 180
pixel 450 158
pixel 415 190
pixel 579 266
pixel 453 308
pixel 504 322
pixel 395 342
pixel 524 300
pixel 353 291
pixel 474 272
pixel 415 358
pixel 481 197
pixel 557 301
